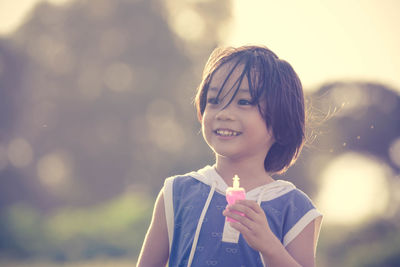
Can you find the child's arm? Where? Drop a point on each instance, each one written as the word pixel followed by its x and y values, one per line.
pixel 255 230
pixel 155 249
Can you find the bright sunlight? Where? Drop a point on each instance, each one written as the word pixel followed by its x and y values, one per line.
pixel 354 188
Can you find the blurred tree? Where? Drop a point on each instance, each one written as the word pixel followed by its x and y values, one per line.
pixel 343 117
pixel 14 187
pixel 102 106
pixel 10 67
pixel 367 119
pixel 364 118
pixel 106 96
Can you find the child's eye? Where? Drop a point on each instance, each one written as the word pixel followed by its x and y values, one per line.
pixel 245 102
pixel 213 101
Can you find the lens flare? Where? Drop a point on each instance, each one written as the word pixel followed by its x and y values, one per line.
pixel 354 188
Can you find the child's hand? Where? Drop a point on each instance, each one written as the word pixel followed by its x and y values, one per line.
pixel 253 226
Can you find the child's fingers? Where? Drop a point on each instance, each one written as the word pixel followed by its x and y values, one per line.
pixel 249 208
pixel 244 230
pixel 248 212
pixel 251 204
pixel 243 220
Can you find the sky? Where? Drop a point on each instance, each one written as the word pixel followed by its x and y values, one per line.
pixel 324 41
pixel 13 13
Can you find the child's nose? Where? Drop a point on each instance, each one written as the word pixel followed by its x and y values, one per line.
pixel 225 113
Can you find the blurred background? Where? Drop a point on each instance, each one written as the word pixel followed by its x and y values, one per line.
pixel 96 111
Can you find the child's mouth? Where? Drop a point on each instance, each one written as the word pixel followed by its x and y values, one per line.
pixel 225 132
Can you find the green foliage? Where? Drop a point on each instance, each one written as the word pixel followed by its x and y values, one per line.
pixel 115 228
pixel 376 244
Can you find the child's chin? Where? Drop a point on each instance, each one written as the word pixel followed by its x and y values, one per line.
pixel 226 154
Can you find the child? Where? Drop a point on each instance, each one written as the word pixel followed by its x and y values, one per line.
pixel 251 107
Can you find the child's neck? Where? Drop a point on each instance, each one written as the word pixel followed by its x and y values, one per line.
pixel 251 174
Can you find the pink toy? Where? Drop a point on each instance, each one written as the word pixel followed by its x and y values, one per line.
pixel 235 193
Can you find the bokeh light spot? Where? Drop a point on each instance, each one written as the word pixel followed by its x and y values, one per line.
pixel 54 170
pixel 354 188
pixel 394 152
pixel 188 24
pixel 3 157
pixel 52 54
pixel 20 152
pixel 119 77
pixel 164 130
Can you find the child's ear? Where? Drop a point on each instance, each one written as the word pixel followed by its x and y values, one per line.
pixel 271 133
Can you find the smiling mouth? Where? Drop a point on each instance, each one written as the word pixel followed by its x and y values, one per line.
pixel 226 132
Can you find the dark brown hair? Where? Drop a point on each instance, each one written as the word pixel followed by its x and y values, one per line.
pixel 277 91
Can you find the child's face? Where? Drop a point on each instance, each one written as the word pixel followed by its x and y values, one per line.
pixel 236 131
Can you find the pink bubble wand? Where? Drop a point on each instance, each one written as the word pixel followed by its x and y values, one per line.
pixel 235 193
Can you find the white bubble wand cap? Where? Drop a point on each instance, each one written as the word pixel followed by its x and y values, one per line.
pixel 236 182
